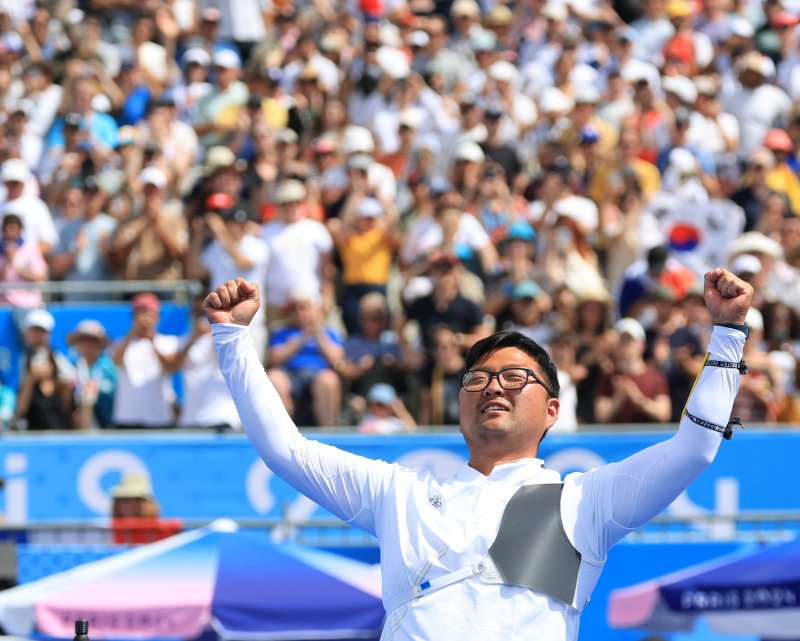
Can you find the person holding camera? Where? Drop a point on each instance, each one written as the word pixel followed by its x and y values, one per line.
pixel 222 248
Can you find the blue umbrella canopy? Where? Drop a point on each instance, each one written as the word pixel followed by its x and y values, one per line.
pixel 244 585
pixel 268 591
pixel 755 592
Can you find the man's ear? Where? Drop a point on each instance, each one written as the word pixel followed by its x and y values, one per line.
pixel 553 407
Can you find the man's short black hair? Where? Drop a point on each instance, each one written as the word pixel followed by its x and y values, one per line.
pixel 511 338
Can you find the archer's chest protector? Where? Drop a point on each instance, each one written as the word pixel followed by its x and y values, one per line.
pixel 531 549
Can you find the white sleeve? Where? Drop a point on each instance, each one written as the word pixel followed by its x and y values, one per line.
pixel 601 506
pixel 344 484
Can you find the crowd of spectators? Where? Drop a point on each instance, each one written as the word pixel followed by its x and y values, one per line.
pixel 402 177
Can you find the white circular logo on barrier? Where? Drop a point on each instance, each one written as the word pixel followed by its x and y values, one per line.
pixel 257 487
pixel 91 492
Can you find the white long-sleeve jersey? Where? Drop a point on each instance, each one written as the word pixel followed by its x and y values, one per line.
pixel 430 527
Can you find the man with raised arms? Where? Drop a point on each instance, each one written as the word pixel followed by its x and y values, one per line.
pixel 504 549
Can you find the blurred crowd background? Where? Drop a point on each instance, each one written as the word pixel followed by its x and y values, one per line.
pixel 401 177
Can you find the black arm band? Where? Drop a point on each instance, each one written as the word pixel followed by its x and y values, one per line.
pixel 726 431
pixel 741 365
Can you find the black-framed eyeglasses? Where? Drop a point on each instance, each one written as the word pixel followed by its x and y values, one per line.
pixel 510 378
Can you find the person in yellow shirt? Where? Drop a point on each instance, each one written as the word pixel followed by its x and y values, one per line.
pixel 627 158
pixel 366 237
pixel 781 177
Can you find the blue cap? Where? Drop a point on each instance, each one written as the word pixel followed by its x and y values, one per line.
pixel 526 289
pixel 589 134
pixel 381 393
pixel 438 186
pixel 521 230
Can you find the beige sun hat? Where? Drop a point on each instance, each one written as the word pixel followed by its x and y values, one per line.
pixel 133 486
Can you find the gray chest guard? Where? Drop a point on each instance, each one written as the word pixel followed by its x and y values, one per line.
pixel 532 549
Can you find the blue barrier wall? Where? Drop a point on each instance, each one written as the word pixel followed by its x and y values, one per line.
pixel 206 476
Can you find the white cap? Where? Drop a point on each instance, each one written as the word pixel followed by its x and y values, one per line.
pixel 746 263
pixel 389 35
pixel 197 55
pixel 587 94
pixel 369 208
pixel 153 176
pixel 393 62
pixel 552 99
pixel 555 11
pixel 755 319
pixel 632 327
pixel 39 318
pixel 410 118
pixel 290 191
pixel 682 87
pixel 581 210
pixel 101 103
pixel 682 161
pixel 503 71
pixel 465 8
pixel 741 26
pixel 419 39
pixel 469 151
pixel 227 59
pixel 358 140
pixel 14 170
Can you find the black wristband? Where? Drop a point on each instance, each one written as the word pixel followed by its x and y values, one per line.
pixel 741 365
pixel 744 327
pixel 726 431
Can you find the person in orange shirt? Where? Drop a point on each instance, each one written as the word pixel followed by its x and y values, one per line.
pixel 366 237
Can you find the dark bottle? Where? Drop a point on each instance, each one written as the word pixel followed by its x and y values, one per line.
pixel 81 630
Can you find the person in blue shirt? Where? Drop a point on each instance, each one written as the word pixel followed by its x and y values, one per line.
pixel 304 358
pixel 96 375
pixel 99 129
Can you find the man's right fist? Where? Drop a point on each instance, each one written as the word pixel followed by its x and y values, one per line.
pixel 237 301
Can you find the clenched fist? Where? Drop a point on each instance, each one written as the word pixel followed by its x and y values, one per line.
pixel 727 296
pixel 237 301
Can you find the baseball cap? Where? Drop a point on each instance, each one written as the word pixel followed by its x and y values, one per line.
pixel 526 289
pixel 358 140
pixel 746 264
pixel 682 87
pixel 227 59
pixel 778 140
pixel 40 318
pixel 219 157
pixel 290 191
pixel 146 300
pixel 360 161
pixel 382 393
pixel 521 230
pixel 14 170
pixel 153 176
pixel 632 327
pixel 196 55
pixel 589 134
pixel 287 136
pixel 468 8
pixel 369 208
pixel 469 151
pixel 88 328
